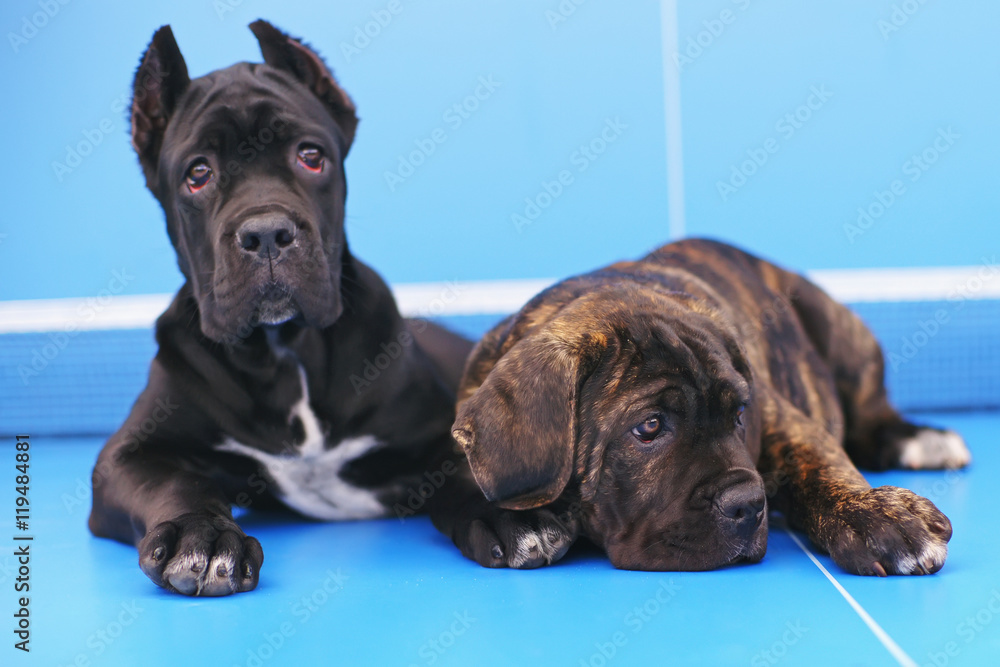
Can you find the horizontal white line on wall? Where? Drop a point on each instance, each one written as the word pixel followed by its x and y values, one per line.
pixel 499 297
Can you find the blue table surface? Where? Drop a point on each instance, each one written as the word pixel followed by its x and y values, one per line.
pixel 396 592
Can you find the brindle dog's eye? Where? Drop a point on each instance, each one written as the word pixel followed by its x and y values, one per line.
pixel 648 429
pixel 739 415
pixel 311 157
pixel 198 175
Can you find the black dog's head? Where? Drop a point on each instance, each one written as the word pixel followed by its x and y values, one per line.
pixel 247 163
pixel 638 406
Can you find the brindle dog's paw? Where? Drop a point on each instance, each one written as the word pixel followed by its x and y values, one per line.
pixel 201 554
pixel 888 530
pixel 523 539
pixel 932 449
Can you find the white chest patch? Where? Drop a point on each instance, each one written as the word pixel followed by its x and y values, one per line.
pixel 308 479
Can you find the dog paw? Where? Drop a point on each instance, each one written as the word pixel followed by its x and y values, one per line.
pixel 523 539
pixel 201 554
pixel 933 449
pixel 888 530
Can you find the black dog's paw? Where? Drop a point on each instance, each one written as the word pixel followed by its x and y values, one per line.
pixel 201 554
pixel 523 539
pixel 887 530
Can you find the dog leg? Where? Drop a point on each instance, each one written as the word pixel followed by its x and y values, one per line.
pixel 179 519
pixel 886 530
pixel 875 435
pixel 495 537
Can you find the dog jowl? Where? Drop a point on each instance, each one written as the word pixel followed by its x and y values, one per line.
pixel 275 316
pixel 662 407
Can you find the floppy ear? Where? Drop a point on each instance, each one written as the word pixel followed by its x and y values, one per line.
pixel 161 79
pixel 289 54
pixel 518 428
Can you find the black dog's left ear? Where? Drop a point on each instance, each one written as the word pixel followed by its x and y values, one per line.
pixel 289 54
pixel 518 429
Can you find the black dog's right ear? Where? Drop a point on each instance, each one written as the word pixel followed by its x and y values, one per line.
pixel 518 429
pixel 161 79
pixel 289 54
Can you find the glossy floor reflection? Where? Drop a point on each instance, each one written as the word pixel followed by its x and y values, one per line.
pixel 397 593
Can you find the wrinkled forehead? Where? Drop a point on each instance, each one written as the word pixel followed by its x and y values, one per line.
pixel 685 363
pixel 248 103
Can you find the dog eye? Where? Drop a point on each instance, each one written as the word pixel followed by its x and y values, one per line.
pixel 311 157
pixel 198 175
pixel 739 414
pixel 648 429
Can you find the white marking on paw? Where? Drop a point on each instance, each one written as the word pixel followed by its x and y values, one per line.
pixel 549 543
pixel 181 569
pixel 225 560
pixel 906 564
pixel 528 547
pixel 934 553
pixel 213 581
pixel 933 449
pixel 308 479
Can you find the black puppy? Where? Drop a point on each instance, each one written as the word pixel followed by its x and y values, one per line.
pixel 250 396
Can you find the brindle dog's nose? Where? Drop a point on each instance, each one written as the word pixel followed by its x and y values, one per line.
pixel 742 506
pixel 266 236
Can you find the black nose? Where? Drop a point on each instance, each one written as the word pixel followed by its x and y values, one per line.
pixel 742 505
pixel 266 236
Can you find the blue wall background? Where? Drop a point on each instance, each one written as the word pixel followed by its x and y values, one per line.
pixel 891 93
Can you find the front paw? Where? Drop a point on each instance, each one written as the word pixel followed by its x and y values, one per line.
pixel 886 530
pixel 523 539
pixel 201 554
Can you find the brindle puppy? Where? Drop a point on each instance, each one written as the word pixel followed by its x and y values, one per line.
pixel 662 407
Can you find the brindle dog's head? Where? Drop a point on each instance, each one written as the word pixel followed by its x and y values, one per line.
pixel 637 404
pixel 247 163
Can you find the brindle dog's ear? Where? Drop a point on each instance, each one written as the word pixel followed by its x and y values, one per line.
pixel 518 428
pixel 161 79
pixel 291 55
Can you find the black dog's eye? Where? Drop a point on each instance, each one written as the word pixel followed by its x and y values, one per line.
pixel 739 415
pixel 648 429
pixel 198 175
pixel 311 157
